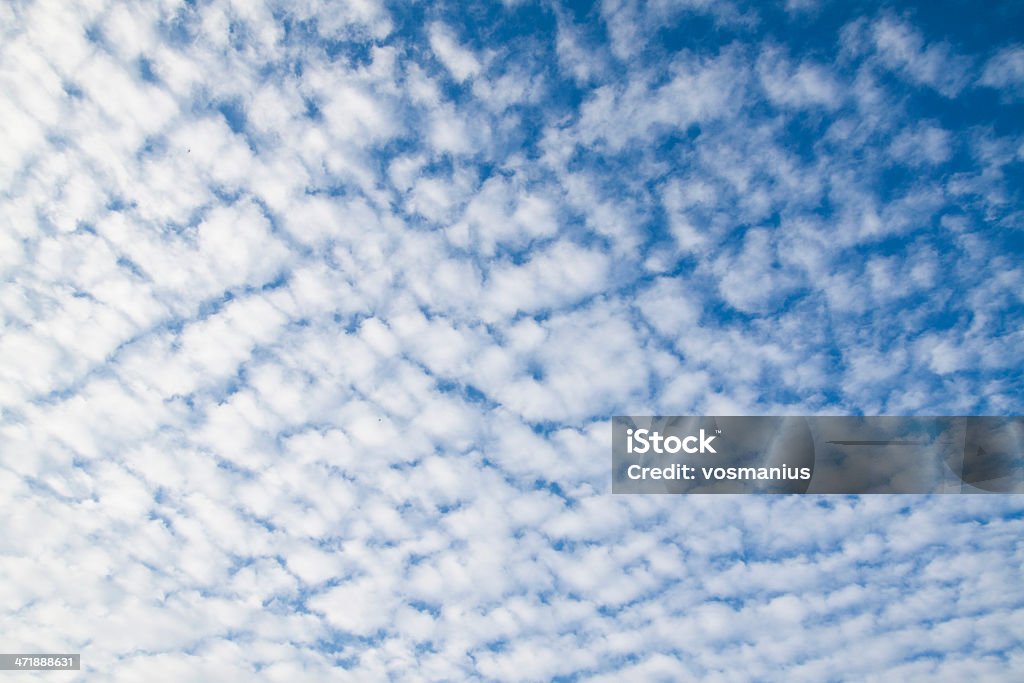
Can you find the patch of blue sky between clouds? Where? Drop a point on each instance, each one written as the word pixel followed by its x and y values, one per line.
pixel 313 316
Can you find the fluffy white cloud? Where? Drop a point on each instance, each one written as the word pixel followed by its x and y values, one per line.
pixel 899 46
pixel 459 61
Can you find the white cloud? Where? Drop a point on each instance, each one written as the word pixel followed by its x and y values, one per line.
pixel 557 276
pixel 802 85
pixel 923 145
pixel 460 62
pixel 753 280
pixel 698 91
pixel 901 47
pixel 1005 70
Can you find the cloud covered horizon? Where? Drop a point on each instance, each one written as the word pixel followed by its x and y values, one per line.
pixel 314 314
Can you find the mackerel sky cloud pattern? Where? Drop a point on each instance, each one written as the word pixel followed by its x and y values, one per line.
pixel 314 315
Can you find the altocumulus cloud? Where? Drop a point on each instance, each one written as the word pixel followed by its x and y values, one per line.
pixel 313 316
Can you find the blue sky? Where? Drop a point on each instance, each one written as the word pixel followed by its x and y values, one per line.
pixel 314 315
